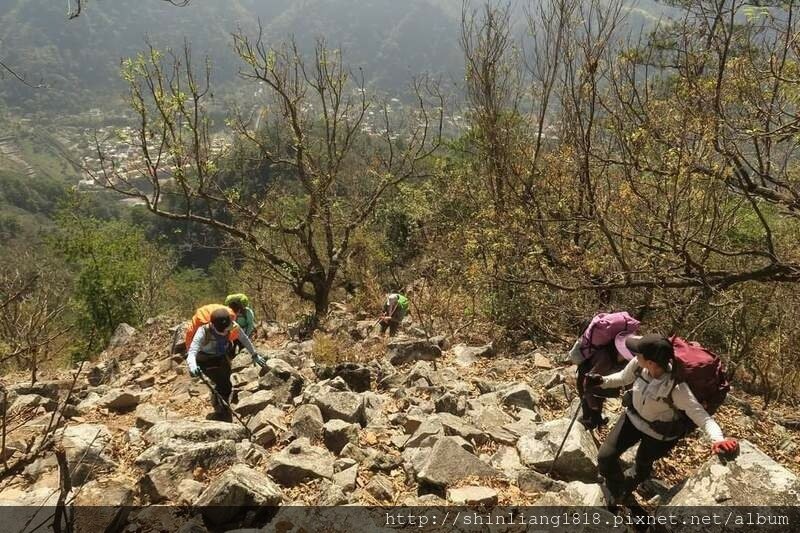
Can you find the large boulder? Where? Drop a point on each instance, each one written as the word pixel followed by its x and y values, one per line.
pixel 339 434
pixel 103 372
pixel 254 403
pixel 752 479
pixel 307 422
pixel 357 377
pixel 492 421
pixel 520 395
pixel 102 507
pixel 48 389
pixel 300 461
pixel 86 447
pixel 119 400
pixel 448 463
pixel 456 426
pixel 344 405
pixel 405 350
pixel 467 355
pixel 162 483
pixel 195 431
pixel 282 379
pixel 578 459
pixel 148 415
pixel 121 336
pixel 30 402
pixel 453 403
pixel 236 491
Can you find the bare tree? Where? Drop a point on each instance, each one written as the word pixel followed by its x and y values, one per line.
pixel 332 168
pixel 33 299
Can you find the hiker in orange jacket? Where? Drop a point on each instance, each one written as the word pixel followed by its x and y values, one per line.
pixel 210 353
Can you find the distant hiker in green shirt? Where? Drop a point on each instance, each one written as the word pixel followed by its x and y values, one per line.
pixel 245 317
pixel 394 310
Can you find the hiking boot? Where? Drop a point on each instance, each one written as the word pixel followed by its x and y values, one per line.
pixel 220 416
pixel 593 422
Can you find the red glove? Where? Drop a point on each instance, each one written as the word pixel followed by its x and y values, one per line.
pixel 727 447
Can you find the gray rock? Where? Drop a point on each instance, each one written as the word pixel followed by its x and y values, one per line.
pixel 163 450
pixel 103 372
pixel 162 482
pixel 265 436
pixel 300 461
pixel 332 495
pixel 86 447
pixel 578 459
pixel 520 395
pixel 506 459
pixel 472 495
pixel 251 453
pixel 103 507
pixel 533 481
pixel 468 355
pixel 119 400
pixel 121 336
pixel 576 493
pixel 195 431
pixel 338 433
pixel 254 403
pixel 753 479
pixel 188 491
pixel 492 421
pixel 307 422
pixel 26 402
pixel 48 388
pixel 429 428
pixel 402 351
pixel 455 426
pixel 421 373
pixel 282 379
pixel 234 491
pixel 448 463
pixel 268 416
pixel 381 488
pixel 455 404
pixel 347 406
pixel 346 479
pixel 148 415
pixel 357 377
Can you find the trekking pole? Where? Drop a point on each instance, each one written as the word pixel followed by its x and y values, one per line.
pixel 564 440
pixel 226 404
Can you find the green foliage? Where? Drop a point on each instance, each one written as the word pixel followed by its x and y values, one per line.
pixel 112 261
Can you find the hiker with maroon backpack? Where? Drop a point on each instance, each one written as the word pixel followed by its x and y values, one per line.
pixel 597 351
pixel 676 385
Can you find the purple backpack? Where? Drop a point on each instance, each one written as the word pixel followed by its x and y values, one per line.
pixel 603 329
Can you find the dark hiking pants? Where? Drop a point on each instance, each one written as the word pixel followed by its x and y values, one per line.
pixel 622 437
pixel 218 370
pixel 392 325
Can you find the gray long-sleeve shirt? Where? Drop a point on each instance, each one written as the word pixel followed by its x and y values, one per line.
pixel 650 402
pixel 208 344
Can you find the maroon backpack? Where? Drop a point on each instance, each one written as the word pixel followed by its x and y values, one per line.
pixel 703 371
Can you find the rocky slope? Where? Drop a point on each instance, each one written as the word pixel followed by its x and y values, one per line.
pixel 407 421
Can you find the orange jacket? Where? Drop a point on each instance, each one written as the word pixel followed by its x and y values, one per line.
pixel 203 316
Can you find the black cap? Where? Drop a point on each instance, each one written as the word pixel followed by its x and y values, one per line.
pixel 221 319
pixel 653 347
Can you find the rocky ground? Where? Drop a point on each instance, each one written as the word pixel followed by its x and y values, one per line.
pixel 408 421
